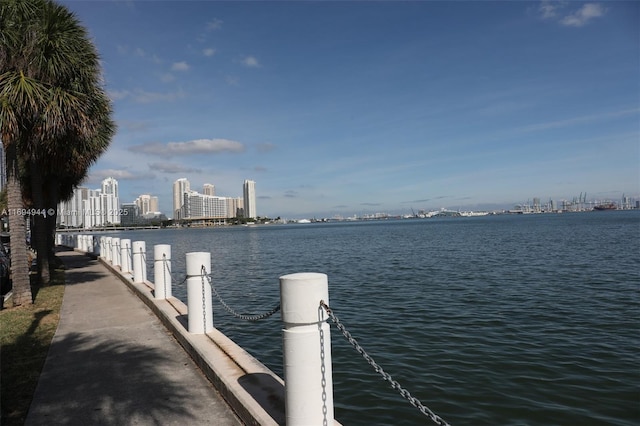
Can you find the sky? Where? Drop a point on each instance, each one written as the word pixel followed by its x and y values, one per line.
pixel 358 107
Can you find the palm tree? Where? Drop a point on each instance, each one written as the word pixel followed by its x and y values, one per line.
pixel 51 101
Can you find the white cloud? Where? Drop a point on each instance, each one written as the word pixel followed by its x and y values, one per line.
pixel 553 10
pixel 208 52
pixel 251 62
pixel 119 174
pixel 180 66
pixel 167 167
pixel 197 146
pixel 117 95
pixel 214 24
pixel 580 120
pixel 145 97
pixel 583 15
pixel 549 9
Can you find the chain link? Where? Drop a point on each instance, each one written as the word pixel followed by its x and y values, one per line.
pixel 167 268
pixel 394 384
pixel 203 273
pixel 244 317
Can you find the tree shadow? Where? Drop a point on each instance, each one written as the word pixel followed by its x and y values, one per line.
pixel 77 272
pixel 100 381
pixel 18 363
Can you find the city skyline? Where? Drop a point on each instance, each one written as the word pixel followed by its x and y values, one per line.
pixel 372 106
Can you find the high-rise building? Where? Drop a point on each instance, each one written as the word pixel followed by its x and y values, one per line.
pixel 180 187
pixel 147 204
pixel 91 208
pixel 71 212
pixel 235 207
pixel 110 203
pixel 209 189
pixel 249 192
pixel 197 206
pixel 130 214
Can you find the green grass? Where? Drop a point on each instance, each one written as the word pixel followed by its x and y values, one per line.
pixel 25 337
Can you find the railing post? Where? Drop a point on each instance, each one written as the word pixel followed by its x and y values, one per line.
pixel 307 350
pixel 125 255
pixel 139 261
pixel 199 303
pixel 162 270
pixel 89 244
pixel 115 251
pixel 108 249
pixel 102 241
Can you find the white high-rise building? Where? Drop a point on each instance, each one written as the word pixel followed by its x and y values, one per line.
pixel 235 207
pixel 209 189
pixel 180 187
pixel 199 206
pixel 147 204
pixel 249 192
pixel 70 212
pixel 91 208
pixel 110 205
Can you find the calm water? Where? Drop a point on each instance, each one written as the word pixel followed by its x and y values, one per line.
pixel 501 320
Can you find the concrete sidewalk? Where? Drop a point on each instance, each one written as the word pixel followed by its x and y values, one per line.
pixel 112 362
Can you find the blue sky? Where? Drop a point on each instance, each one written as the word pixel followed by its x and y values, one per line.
pixel 363 107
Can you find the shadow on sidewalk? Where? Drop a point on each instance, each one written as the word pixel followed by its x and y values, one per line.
pixel 76 268
pixel 106 382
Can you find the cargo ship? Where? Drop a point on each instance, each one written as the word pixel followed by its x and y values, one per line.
pixel 606 206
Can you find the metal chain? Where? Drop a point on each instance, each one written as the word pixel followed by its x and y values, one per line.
pixel 394 384
pixel 165 266
pixel 143 259
pixel 203 273
pixel 168 269
pixel 244 317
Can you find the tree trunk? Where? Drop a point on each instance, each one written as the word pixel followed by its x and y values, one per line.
pixel 17 231
pixel 53 197
pixel 39 232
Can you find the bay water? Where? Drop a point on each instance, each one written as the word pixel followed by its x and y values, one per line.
pixel 493 320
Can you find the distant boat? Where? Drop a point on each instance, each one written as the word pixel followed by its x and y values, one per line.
pixel 606 206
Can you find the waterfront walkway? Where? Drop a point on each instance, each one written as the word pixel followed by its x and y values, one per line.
pixel 112 362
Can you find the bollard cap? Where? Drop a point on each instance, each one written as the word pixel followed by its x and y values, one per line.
pixel 162 249
pixel 195 260
pixel 300 296
pixel 139 245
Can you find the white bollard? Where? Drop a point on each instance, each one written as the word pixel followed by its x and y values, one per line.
pixel 78 242
pixel 115 251
pixel 162 270
pixel 125 255
pixel 108 249
pixel 102 244
pixel 307 350
pixel 89 244
pixel 139 261
pixel 96 246
pixel 199 303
